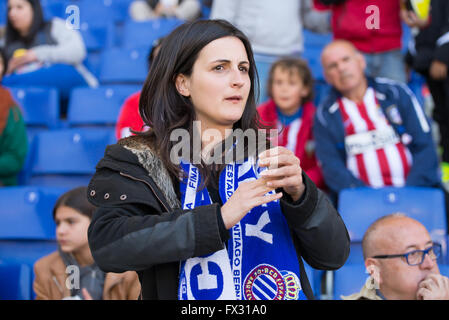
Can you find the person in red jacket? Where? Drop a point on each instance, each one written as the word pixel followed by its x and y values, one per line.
pixel 129 118
pixel 291 111
pixel 374 28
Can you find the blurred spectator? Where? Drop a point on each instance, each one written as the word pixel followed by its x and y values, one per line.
pixel 141 10
pixel 43 53
pixel 370 132
pixel 273 27
pixel 72 214
pixel 129 119
pixel 401 260
pixel 429 55
pixel 374 28
pixel 291 111
pixel 13 137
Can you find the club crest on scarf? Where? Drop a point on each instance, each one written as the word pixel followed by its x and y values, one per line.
pixel 258 262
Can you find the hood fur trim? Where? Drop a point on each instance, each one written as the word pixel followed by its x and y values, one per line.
pixel 153 164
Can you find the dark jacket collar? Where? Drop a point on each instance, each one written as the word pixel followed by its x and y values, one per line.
pixel 134 157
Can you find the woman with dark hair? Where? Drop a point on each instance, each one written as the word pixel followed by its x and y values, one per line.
pixel 193 228
pixel 13 135
pixel 73 263
pixel 45 53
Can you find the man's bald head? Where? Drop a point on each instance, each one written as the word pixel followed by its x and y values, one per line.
pixel 394 236
pixel 344 68
pixel 338 44
pixel 387 232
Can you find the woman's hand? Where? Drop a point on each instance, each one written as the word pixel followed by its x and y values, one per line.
pixel 284 171
pixel 15 63
pixel 247 196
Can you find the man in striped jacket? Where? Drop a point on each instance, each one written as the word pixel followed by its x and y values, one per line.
pixel 370 132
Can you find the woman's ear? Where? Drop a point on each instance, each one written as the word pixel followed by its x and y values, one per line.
pixel 182 85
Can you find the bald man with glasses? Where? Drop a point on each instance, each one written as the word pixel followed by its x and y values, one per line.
pixel 401 260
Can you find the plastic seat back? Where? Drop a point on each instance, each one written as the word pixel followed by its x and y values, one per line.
pixel 26 212
pixel 40 106
pixel 99 106
pixel 15 280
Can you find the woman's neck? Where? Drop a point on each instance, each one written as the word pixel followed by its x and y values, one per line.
pixel 24 32
pixel 212 135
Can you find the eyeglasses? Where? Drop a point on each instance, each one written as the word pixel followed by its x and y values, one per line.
pixel 416 257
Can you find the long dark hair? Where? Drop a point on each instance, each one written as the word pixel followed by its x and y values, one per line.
pixel 164 109
pixel 77 200
pixel 37 24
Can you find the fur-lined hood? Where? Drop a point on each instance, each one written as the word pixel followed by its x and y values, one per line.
pixel 134 156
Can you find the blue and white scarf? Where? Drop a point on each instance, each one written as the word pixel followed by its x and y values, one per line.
pixel 260 260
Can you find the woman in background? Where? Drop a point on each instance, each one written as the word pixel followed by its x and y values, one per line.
pixel 43 53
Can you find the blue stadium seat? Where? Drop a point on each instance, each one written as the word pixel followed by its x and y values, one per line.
pixel 316 40
pixel 54 8
pixel 68 157
pixel 15 280
pixel 99 106
pixel 314 277
pixel 349 279
pixel 3 9
pixel 205 10
pixel 444 269
pixel 40 106
pixel 26 212
pixel 124 66
pixel 108 10
pixel 93 62
pixel 359 207
pixel 313 56
pixel 143 34
pixel 25 252
pixel 97 36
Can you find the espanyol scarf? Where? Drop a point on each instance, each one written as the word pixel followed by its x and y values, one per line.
pixel 260 260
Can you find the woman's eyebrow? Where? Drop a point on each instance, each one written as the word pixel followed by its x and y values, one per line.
pixel 229 61
pixel 221 61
